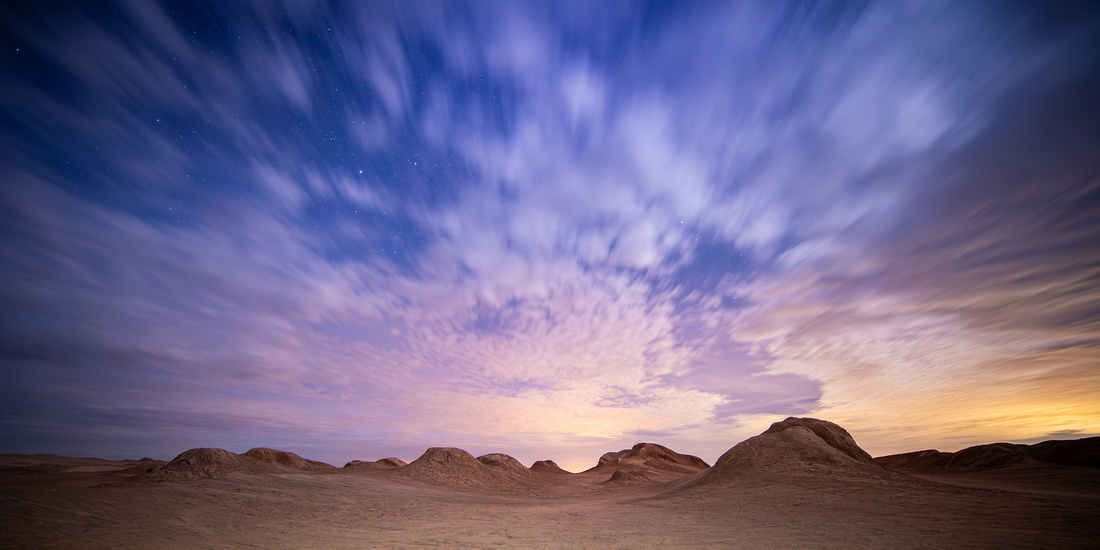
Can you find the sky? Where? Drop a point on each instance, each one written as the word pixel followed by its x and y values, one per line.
pixel 355 230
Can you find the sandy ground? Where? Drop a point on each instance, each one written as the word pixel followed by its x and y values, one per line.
pixel 52 502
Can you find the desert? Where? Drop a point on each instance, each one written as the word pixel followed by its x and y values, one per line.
pixel 803 483
pixel 549 274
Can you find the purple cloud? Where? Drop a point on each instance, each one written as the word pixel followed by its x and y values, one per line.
pixel 357 232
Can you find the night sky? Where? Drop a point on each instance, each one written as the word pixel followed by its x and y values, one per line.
pixel 549 229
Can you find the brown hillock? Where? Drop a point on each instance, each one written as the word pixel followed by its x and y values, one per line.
pixel 144 466
pixel 986 457
pixel 929 460
pixel 1068 452
pixel 793 447
pixel 993 456
pixel 285 459
pixel 504 462
pixel 832 434
pixel 445 458
pixel 972 459
pixel 380 464
pixel 651 457
pixel 205 463
pixel 548 467
pixel 627 477
pixel 451 467
pixel 36 465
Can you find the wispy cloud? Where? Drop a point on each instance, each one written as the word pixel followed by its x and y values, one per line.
pixel 362 231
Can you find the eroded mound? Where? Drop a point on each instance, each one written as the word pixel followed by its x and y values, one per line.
pixel 380 464
pixel 504 462
pixel 1072 452
pixel 795 446
pixel 205 463
pixel 833 435
pixel 548 467
pixel 285 459
pixel 986 457
pixel 972 459
pixel 445 458
pixel 1078 452
pixel 650 456
pixel 627 477
pixel 451 467
pixel 929 460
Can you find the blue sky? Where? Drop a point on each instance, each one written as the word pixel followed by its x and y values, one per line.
pixel 550 229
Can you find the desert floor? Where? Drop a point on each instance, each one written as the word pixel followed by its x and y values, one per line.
pixel 55 502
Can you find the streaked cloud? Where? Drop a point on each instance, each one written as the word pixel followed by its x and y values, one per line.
pixel 357 231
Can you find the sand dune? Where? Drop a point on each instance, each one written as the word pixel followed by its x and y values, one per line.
pixel 803 483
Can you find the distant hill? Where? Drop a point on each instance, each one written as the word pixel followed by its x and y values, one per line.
pixel 1075 452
